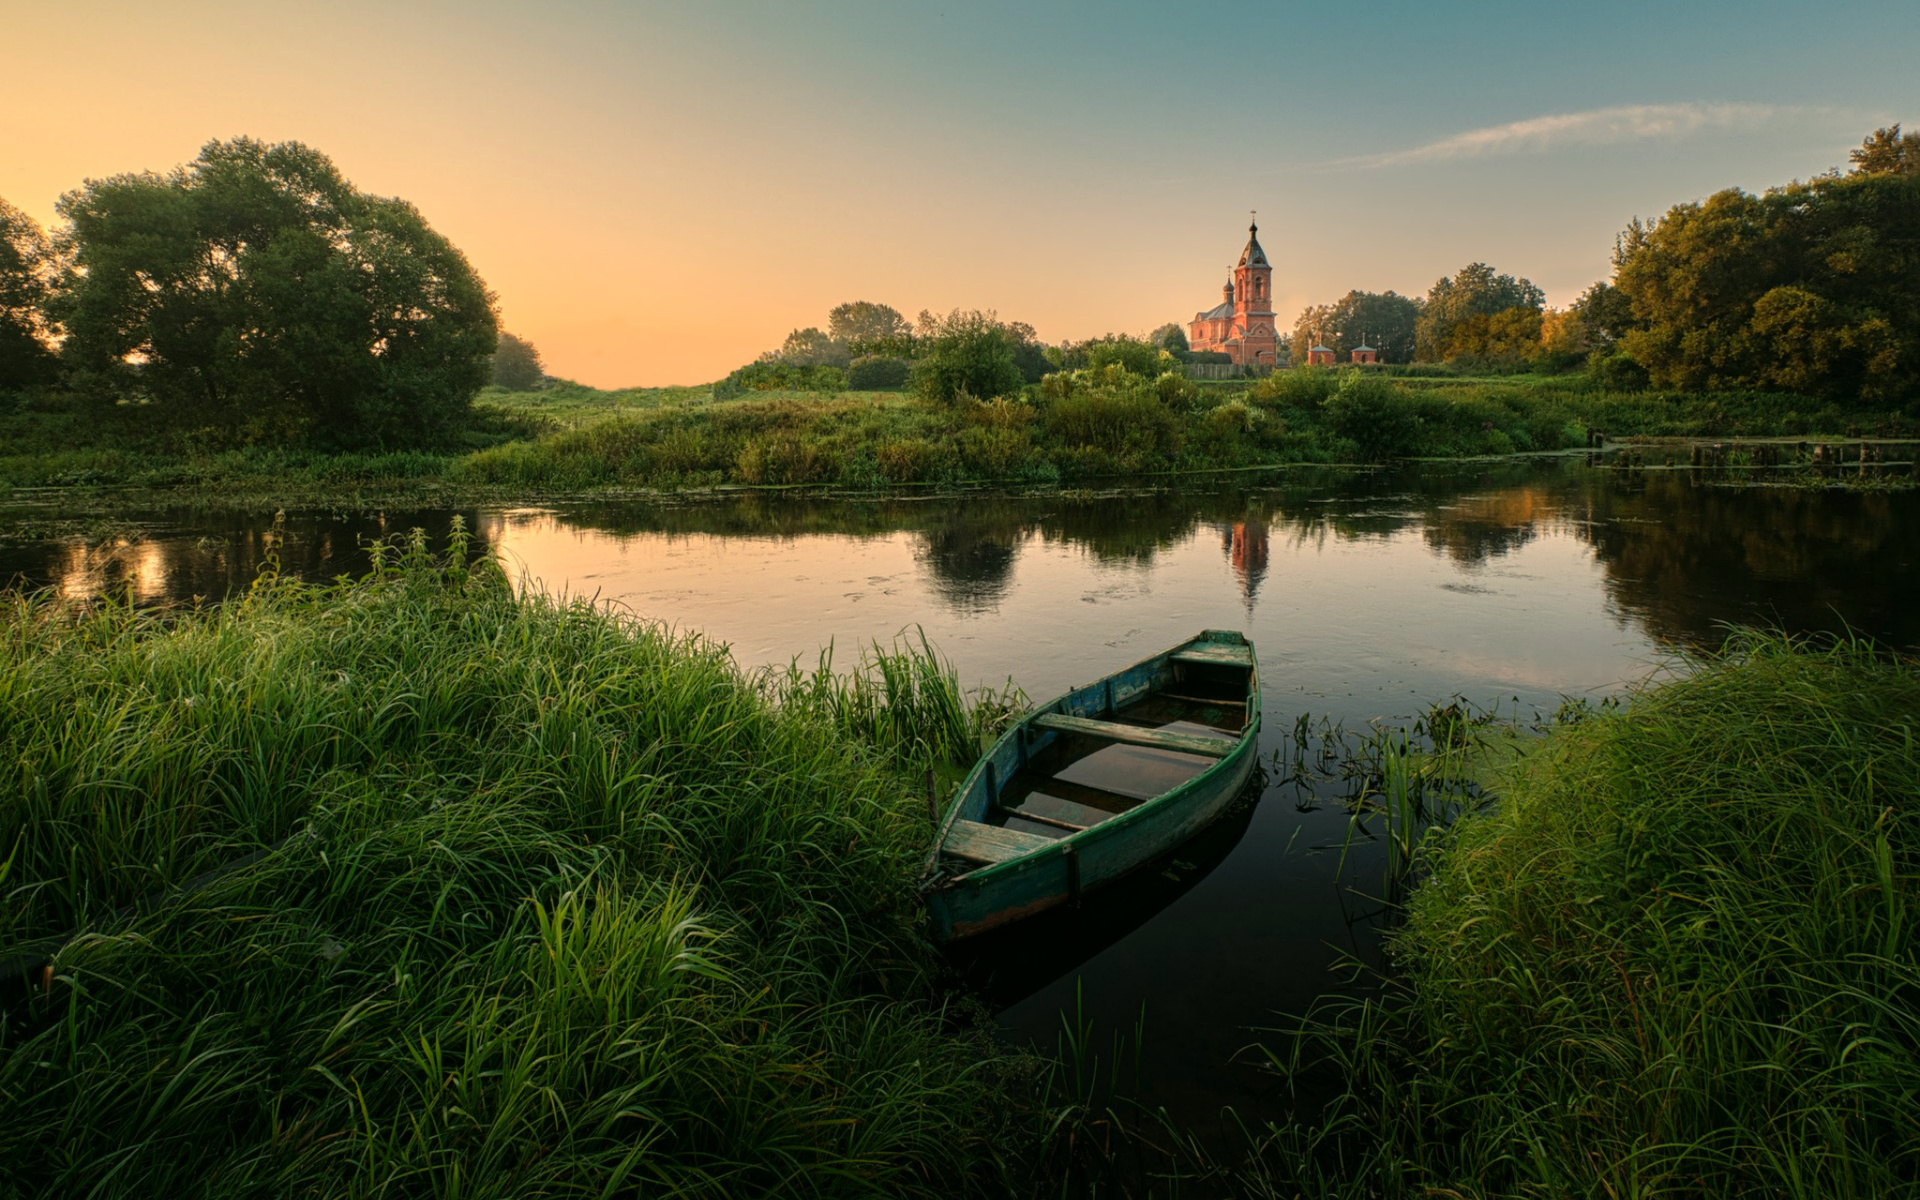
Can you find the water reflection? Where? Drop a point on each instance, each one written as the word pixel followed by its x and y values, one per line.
pixel 1679 556
pixel 183 556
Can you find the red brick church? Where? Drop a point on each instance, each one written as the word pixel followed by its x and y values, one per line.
pixel 1242 325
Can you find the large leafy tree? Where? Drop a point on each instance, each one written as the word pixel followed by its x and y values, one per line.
pixel 1813 288
pixel 1383 320
pixel 26 273
pixel 1476 291
pixel 256 288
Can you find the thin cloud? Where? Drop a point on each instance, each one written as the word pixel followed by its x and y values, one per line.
pixel 1597 127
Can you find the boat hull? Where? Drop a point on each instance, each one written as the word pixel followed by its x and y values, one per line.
pixel 1063 871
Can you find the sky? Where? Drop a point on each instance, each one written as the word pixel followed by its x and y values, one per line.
pixel 658 192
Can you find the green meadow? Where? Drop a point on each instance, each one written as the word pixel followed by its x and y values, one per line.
pixel 1077 428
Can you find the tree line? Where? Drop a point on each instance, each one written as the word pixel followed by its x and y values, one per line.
pixel 253 293
pixel 1812 287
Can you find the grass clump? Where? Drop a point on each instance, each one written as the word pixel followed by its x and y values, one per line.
pixel 550 903
pixel 1677 959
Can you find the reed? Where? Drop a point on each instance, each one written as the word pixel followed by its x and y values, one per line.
pixel 531 900
pixel 1676 958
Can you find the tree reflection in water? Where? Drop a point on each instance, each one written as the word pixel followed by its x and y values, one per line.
pixel 1680 555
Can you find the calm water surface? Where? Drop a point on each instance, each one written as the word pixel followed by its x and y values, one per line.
pixel 1369 595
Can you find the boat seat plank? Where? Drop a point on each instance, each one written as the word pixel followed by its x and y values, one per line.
pixel 1204 700
pixel 1216 655
pixel 990 844
pixel 1133 735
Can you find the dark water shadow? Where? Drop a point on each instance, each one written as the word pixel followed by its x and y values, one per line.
pixel 1005 966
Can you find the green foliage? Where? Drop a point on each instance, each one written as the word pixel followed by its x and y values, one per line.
pixel 1676 958
pixel 565 438
pixel 878 373
pixel 1477 290
pixel 1384 320
pixel 1887 152
pixel 968 353
pixel 516 364
pixel 1512 333
pixel 1813 288
pixel 866 328
pixel 255 289
pixel 1110 419
pixel 1379 418
pixel 1171 338
pixel 1301 387
pixel 775 375
pixel 27 268
pixel 415 886
pixel 811 348
pixel 1129 354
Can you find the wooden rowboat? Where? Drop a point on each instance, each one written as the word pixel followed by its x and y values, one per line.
pixel 1086 788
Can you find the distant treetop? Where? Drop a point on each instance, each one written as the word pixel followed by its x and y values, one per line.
pixel 1887 152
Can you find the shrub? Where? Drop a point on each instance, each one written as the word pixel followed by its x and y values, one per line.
pixel 1117 414
pixel 1617 370
pixel 1297 387
pixel 970 354
pixel 1378 417
pixel 1134 356
pixel 783 459
pixel 878 373
pixel 908 460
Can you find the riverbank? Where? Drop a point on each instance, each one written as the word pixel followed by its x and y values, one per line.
pixel 415 884
pixel 1088 429
pixel 1677 957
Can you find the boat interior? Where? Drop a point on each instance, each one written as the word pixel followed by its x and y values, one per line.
pixel 1113 748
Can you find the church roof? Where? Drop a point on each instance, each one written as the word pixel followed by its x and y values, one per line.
pixel 1253 255
pixel 1217 311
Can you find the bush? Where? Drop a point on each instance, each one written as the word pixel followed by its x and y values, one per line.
pixel 1617 370
pixel 878 373
pixel 1117 414
pixel 1296 387
pixel 1134 356
pixel 970 354
pixel 776 375
pixel 1378 417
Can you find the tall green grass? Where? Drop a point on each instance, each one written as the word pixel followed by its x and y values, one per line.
pixel 552 903
pixel 1677 959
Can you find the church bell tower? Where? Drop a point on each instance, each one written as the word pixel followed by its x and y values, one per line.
pixel 1253 319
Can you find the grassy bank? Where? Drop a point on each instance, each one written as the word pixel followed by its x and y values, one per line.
pixel 1677 959
pixel 528 901
pixel 1090 426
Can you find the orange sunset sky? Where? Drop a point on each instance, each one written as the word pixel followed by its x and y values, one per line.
pixel 658 192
